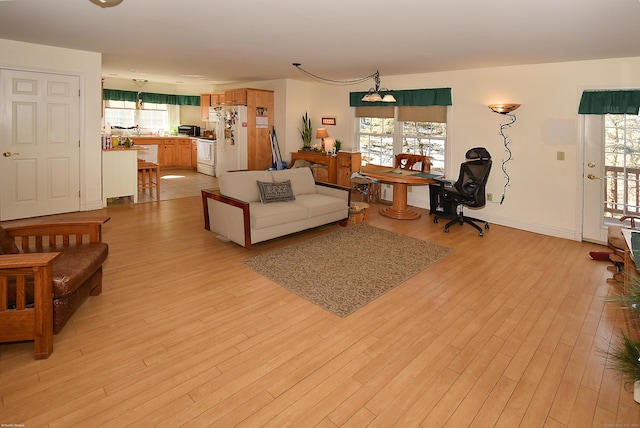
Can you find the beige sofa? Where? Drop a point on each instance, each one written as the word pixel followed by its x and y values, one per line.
pixel 237 213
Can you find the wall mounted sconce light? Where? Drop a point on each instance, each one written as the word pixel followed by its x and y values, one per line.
pixel 505 109
pixel 322 133
pixel 373 95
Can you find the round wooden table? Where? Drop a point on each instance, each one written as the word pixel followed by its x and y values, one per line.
pixel 400 179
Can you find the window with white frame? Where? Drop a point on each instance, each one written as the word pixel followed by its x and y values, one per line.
pixel 380 139
pixel 376 136
pixel 124 114
pixel 425 138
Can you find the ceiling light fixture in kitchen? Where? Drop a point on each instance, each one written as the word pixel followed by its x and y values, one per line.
pixel 372 95
pixel 106 3
pixel 140 82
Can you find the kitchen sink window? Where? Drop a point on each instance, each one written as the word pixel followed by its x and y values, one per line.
pixel 124 114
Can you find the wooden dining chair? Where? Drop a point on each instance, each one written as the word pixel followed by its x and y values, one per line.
pixel 413 162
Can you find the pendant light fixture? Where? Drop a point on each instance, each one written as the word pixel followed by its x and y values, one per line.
pixel 373 95
pixel 106 3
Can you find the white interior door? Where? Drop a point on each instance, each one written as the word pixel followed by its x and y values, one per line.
pixel 39 144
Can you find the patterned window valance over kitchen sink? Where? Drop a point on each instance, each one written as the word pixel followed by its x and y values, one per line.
pixel 147 97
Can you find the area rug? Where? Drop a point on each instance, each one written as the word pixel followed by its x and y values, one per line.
pixel 348 268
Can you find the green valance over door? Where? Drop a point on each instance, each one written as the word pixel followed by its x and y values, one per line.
pixel 147 97
pixel 410 97
pixel 610 102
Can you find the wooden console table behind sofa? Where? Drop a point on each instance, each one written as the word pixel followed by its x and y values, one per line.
pixel 321 159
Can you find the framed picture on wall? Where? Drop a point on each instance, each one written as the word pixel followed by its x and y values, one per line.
pixel 328 120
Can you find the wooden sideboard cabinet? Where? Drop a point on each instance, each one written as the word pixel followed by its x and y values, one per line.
pixel 348 163
pixel 319 158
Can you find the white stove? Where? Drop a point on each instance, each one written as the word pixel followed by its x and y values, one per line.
pixel 206 156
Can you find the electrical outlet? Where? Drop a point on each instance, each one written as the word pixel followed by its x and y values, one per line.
pixel 490 197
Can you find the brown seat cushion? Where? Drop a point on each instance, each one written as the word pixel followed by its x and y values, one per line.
pixel 75 265
pixel 71 269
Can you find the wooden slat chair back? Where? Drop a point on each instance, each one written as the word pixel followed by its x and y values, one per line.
pixel 413 162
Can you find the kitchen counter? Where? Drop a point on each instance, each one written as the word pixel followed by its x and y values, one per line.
pixel 154 139
pixel 167 152
pixel 125 148
pixel 119 174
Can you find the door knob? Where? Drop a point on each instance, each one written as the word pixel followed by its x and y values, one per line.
pixel 591 165
pixel 593 177
pixel 7 154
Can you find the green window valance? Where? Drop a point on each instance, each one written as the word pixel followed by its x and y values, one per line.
pixel 147 97
pixel 613 102
pixel 410 97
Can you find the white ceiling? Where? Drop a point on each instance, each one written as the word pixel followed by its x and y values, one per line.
pixel 209 41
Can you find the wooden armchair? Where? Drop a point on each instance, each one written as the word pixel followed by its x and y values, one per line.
pixel 415 162
pixel 39 289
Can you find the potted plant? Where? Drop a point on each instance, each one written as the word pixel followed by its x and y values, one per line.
pixel 337 145
pixel 623 356
pixel 306 132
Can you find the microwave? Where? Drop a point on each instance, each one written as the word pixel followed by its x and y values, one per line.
pixel 189 130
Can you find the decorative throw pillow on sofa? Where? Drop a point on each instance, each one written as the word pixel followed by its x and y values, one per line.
pixel 275 192
pixel 7 244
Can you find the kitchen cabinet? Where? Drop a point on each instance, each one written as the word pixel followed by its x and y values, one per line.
pixel 167 153
pixel 260 118
pixel 205 103
pixel 194 154
pixel 235 97
pixel 348 163
pixel 182 153
pixel 173 152
pixel 217 99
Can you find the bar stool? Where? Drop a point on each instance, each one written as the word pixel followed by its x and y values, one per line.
pixel 149 177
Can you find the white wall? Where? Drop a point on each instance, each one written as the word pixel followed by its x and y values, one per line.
pixel 87 65
pixel 544 194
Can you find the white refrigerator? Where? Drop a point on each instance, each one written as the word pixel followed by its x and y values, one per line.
pixel 230 124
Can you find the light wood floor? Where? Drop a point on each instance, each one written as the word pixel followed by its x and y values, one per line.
pixel 504 332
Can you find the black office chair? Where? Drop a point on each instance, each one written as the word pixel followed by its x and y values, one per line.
pixel 469 189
